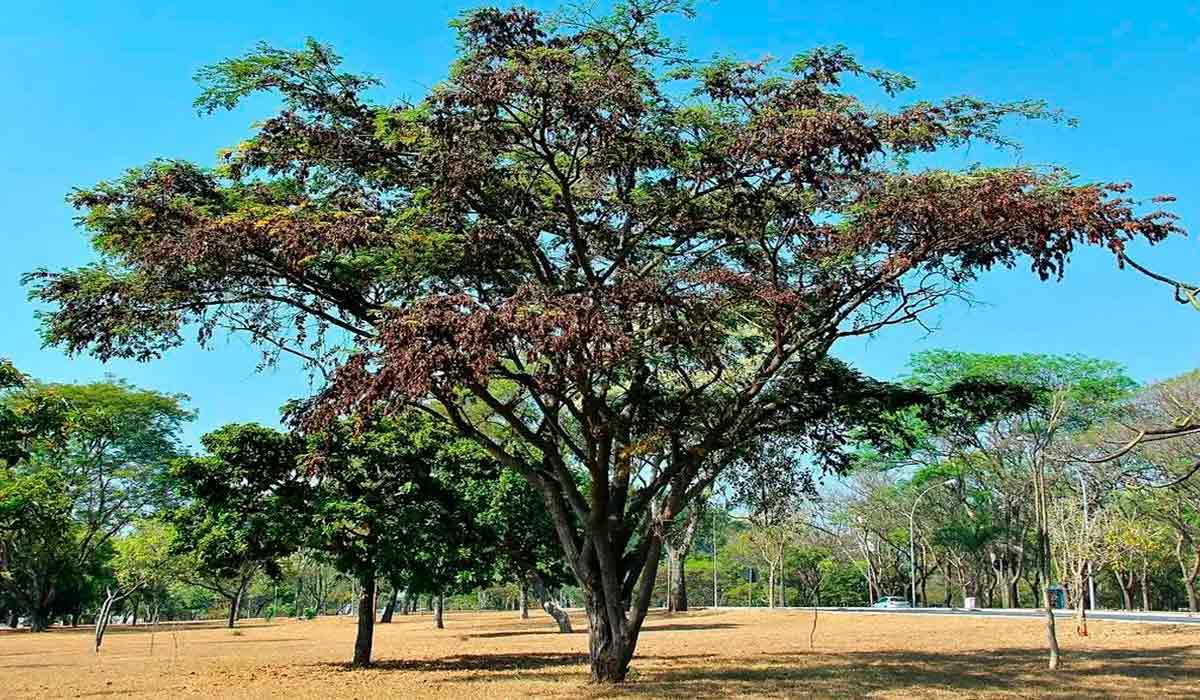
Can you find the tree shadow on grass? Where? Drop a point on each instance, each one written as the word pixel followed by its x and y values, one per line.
pixel 520 633
pixel 165 627
pixel 689 628
pixel 271 640
pixel 1099 673
pixel 859 674
pixel 680 627
pixel 475 662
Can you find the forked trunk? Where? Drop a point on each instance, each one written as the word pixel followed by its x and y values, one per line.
pixel 366 622
pixel 610 650
pixel 1126 586
pixel 390 608
pixel 39 620
pixel 104 616
pixel 235 604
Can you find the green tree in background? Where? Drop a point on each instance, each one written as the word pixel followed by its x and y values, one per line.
pixel 1069 395
pixel 381 510
pixel 145 561
pixel 106 468
pixel 244 507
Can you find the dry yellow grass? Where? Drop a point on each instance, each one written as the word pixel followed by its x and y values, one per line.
pixel 692 655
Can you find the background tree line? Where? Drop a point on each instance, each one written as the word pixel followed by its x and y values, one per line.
pixel 103 513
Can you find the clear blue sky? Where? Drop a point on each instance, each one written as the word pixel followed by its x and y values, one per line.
pixel 91 88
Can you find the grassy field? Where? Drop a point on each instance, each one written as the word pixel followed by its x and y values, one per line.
pixel 692 655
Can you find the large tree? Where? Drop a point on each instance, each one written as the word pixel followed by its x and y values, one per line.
pixel 634 260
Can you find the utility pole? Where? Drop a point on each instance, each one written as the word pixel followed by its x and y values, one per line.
pixel 912 536
pixel 714 535
pixel 1086 527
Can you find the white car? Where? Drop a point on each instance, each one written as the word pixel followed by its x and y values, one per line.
pixel 891 601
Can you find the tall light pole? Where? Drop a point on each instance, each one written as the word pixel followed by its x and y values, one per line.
pixel 912 536
pixel 1090 577
pixel 714 536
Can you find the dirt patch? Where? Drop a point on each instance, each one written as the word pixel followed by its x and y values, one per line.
pixel 690 655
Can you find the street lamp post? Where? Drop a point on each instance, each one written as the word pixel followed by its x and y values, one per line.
pixel 1090 577
pixel 714 543
pixel 912 537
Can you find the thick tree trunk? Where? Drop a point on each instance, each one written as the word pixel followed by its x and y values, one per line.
pixel 677 551
pixel 1145 586
pixel 679 599
pixel 39 620
pixel 439 604
pixel 390 608
pixel 524 603
pixel 610 650
pixel 1126 586
pixel 14 619
pixel 366 622
pixel 39 615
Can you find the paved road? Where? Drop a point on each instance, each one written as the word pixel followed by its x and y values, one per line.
pixel 1115 615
